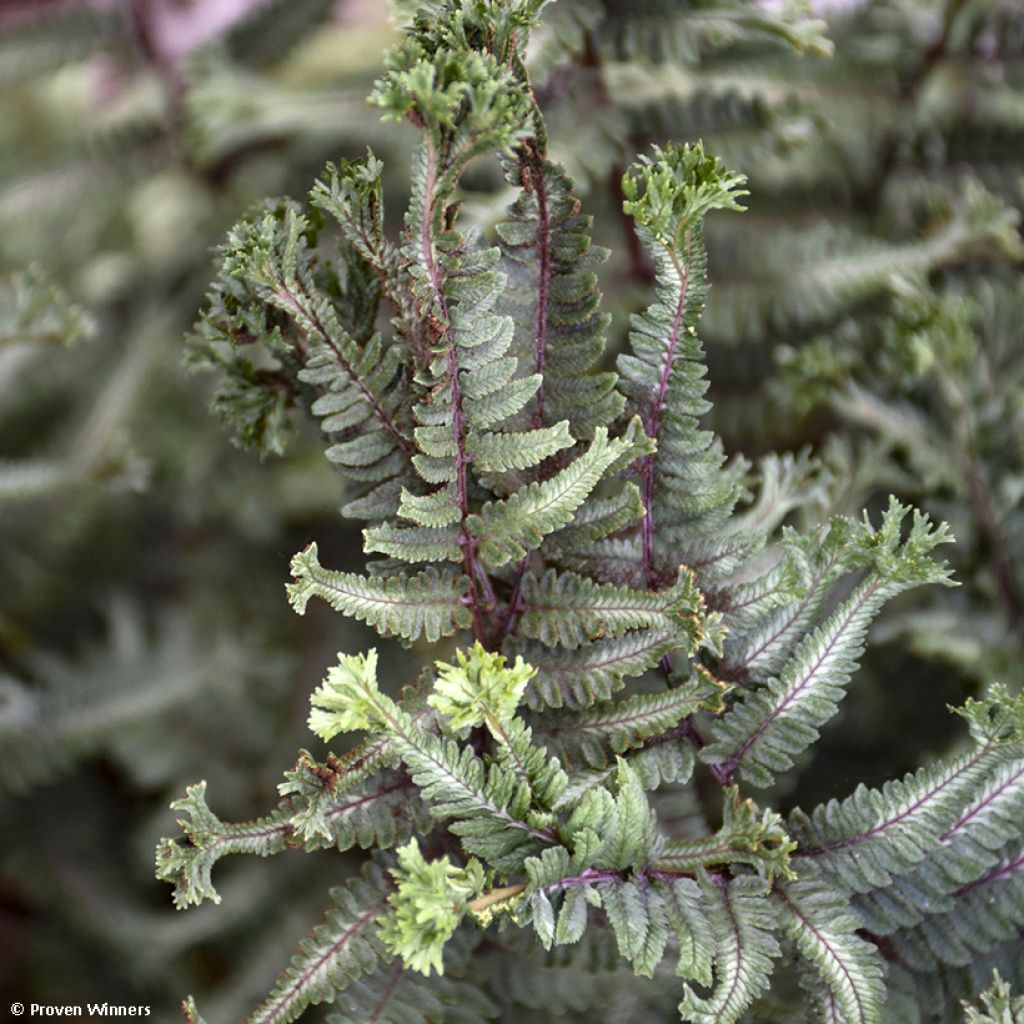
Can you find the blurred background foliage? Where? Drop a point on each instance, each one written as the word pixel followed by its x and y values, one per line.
pixel 867 307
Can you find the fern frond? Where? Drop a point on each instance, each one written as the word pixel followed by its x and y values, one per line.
pixel 337 952
pixel 190 1012
pixel 824 933
pixel 876 834
pixel 742 922
pixel 985 912
pixel 591 674
pixel 490 805
pixel 662 32
pixel 686 494
pixel 684 902
pixel 640 921
pixel 429 604
pixel 997 1005
pixel 828 270
pixel 352 193
pixel 594 520
pixel 34 310
pixel 365 815
pixel 568 610
pixel 73 708
pixel 628 723
pixel 769 615
pixel 552 295
pixel 507 529
pixel 748 836
pixel 266 297
pixel 768 727
pixel 188 867
pixel 396 995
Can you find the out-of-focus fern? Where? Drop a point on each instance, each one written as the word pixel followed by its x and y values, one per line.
pixel 937 382
pixel 121 165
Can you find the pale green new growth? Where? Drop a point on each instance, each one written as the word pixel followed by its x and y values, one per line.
pixel 427 906
pixel 748 835
pixel 479 689
pixel 671 192
pixel 343 703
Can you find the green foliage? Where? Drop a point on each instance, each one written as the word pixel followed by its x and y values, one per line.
pixel 427 906
pixel 35 310
pixel 763 733
pixel 579 532
pixel 741 922
pixel 998 1006
pixel 479 689
pixel 850 976
pixel 942 399
pixel 616 631
pixel 63 709
pixel 344 947
pixel 425 604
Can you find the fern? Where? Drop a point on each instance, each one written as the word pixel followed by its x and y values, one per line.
pixel 343 948
pixel 997 1005
pixel 65 709
pixel 634 630
pixel 426 604
pixel 36 311
pixel 742 922
pixel 764 732
pixel 552 295
pixel 823 931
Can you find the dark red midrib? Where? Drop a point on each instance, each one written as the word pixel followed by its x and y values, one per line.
pixel 287 829
pixel 653 424
pixel 379 411
pixel 629 719
pixel 535 169
pixel 817 851
pixel 978 808
pixel 999 871
pixel 835 956
pixel 733 763
pixel 730 672
pixel 458 424
pixel 269 1013
pixel 739 941
pixel 381 598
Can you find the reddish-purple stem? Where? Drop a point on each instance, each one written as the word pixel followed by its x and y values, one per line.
pixel 472 570
pixel 653 424
pixel 688 727
pixel 999 871
pixel 730 766
pixel 535 168
pixel 882 826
